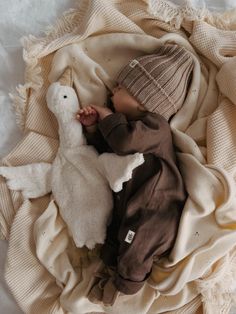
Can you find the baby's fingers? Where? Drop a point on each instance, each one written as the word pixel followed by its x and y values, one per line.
pixel 90 109
pixel 87 111
pixel 80 112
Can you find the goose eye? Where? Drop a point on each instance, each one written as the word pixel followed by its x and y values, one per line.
pixel 64 96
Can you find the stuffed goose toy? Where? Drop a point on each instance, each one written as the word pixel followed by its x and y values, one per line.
pixel 80 180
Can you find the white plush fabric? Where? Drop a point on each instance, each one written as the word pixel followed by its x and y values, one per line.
pixel 18 18
pixel 32 180
pixel 119 170
pixel 79 178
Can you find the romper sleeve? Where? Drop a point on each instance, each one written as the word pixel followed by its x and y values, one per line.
pixel 128 137
pixel 97 140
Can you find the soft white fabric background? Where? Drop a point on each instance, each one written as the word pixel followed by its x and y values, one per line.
pixel 19 18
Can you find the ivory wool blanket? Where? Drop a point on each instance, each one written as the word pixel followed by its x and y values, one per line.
pixel 45 271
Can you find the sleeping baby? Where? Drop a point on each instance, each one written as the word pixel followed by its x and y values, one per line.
pixel 147 210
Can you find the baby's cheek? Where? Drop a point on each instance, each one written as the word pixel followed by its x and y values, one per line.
pixel 118 106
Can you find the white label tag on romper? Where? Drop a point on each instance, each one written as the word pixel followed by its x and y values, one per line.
pixel 130 236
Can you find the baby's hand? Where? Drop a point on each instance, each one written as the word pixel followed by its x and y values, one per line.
pixel 102 111
pixel 87 116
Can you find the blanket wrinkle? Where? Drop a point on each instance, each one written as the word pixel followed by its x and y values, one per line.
pixel 202 262
pixel 226 82
pixel 221 43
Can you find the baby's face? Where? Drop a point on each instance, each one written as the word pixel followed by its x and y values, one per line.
pixel 124 102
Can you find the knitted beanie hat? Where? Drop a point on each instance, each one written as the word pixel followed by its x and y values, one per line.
pixel 159 81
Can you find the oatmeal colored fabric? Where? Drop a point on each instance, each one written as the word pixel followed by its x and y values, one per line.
pixel 45 271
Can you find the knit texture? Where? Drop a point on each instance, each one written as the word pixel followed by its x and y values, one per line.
pixel 159 81
pixel 45 272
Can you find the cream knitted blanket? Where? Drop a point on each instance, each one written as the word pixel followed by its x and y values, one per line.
pixel 45 271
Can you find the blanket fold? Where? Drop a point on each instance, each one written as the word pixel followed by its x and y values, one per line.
pixel 44 270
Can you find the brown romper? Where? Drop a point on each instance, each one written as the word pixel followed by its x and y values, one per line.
pixel 147 210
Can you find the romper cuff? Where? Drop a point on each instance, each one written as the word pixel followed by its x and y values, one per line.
pixel 110 122
pixel 127 286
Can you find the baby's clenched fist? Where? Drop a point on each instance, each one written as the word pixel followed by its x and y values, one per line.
pixel 87 116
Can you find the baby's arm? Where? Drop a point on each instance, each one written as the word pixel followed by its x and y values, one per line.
pixel 88 117
pixel 128 137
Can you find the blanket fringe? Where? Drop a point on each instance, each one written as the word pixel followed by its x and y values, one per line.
pixel 218 290
pixel 36 48
pixel 173 14
pixel 19 101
